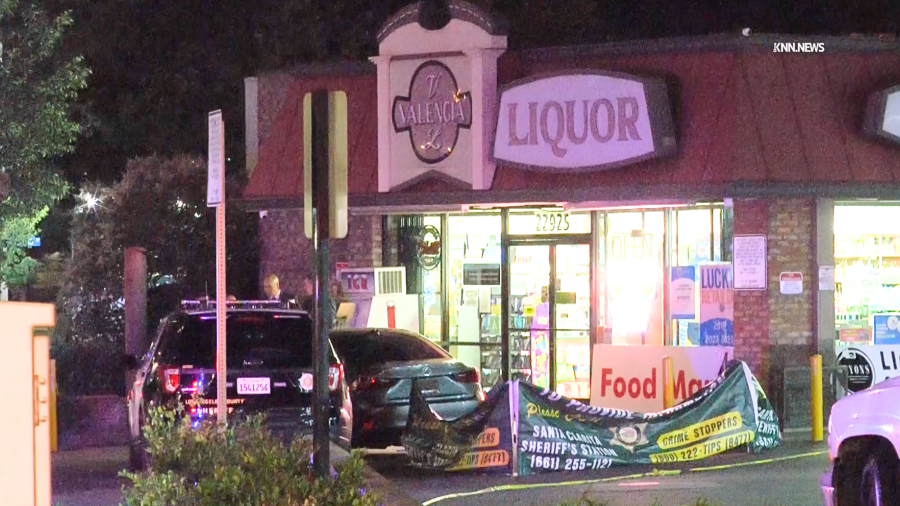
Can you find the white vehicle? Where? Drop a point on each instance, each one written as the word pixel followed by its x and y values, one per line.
pixel 864 444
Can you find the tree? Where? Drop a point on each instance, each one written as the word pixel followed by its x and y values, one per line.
pixel 159 205
pixel 38 86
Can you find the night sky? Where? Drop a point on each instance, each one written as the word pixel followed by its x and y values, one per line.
pixel 160 65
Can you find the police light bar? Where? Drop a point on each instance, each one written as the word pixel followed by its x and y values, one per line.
pixel 240 304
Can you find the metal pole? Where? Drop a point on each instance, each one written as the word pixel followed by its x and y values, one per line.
pixel 818 413
pixel 668 383
pixel 320 194
pixel 221 362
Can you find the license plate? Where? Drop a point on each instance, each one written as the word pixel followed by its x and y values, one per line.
pixel 429 387
pixel 254 386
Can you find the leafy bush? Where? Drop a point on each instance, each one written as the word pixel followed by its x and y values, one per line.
pixel 88 367
pixel 242 465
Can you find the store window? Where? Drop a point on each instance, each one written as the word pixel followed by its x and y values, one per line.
pixel 635 272
pixel 474 274
pixel 867 274
pixel 698 240
pixel 430 262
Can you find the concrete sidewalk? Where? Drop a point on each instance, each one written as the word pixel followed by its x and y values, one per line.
pixel 89 477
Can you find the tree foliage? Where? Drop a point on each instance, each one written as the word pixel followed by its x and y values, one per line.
pixel 38 85
pixel 158 205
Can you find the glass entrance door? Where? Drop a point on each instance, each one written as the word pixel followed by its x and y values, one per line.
pixel 550 300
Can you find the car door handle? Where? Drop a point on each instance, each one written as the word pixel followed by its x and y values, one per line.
pixel 253 362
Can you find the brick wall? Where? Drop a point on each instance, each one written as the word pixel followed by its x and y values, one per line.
pixel 791 236
pixel 751 308
pixel 285 250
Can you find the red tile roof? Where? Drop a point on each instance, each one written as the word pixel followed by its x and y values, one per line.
pixel 744 115
pixel 278 175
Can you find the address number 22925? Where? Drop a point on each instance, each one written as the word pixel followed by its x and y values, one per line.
pixel 552 222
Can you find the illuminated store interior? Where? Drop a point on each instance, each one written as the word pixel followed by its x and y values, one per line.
pixel 609 267
pixel 866 273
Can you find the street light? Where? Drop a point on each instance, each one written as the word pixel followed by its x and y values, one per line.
pixel 89 201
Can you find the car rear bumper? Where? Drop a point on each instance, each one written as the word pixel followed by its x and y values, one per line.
pixel 393 418
pixel 825 484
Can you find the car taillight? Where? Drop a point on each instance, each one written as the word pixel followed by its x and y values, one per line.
pixel 170 378
pixel 335 377
pixel 470 376
pixel 367 383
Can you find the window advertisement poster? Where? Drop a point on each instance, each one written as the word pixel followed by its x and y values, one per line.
pixel 716 305
pixel 682 291
pixel 887 329
pixel 750 262
pixel 826 278
pixel 540 346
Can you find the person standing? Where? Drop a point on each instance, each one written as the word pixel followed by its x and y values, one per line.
pixel 272 288
pixel 308 299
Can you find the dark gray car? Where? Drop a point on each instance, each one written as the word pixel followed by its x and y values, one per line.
pixel 380 366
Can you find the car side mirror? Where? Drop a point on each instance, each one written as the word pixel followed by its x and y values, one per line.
pixel 130 362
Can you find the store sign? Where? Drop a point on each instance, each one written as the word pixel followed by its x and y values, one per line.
pixel 583 121
pixel 791 283
pixel 429 248
pixel 887 329
pixel 433 112
pixel 883 115
pixel 549 222
pixel 869 365
pixel 634 246
pixel 681 293
pixel 358 281
pixel 630 377
pixel 750 262
pixel 481 274
pixel 716 305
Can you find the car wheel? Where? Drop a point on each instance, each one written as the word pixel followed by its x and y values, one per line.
pixel 869 482
pixel 138 458
pixel 879 485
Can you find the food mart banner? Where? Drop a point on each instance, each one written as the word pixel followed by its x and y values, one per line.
pixel 630 377
pixel 555 433
pixel 869 365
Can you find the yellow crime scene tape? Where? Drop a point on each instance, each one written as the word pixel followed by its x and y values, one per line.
pixel 655 472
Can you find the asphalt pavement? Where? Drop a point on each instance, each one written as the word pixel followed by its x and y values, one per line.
pixel 89 478
pixel 745 480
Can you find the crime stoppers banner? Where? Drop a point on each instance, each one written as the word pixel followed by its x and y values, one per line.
pixel 560 434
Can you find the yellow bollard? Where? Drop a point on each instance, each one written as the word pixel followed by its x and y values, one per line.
pixel 818 412
pixel 668 383
pixel 53 426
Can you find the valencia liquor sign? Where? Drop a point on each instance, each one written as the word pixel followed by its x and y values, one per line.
pixel 433 112
pixel 583 121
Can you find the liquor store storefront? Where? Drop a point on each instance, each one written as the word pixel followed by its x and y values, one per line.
pixel 609 268
pixel 678 194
